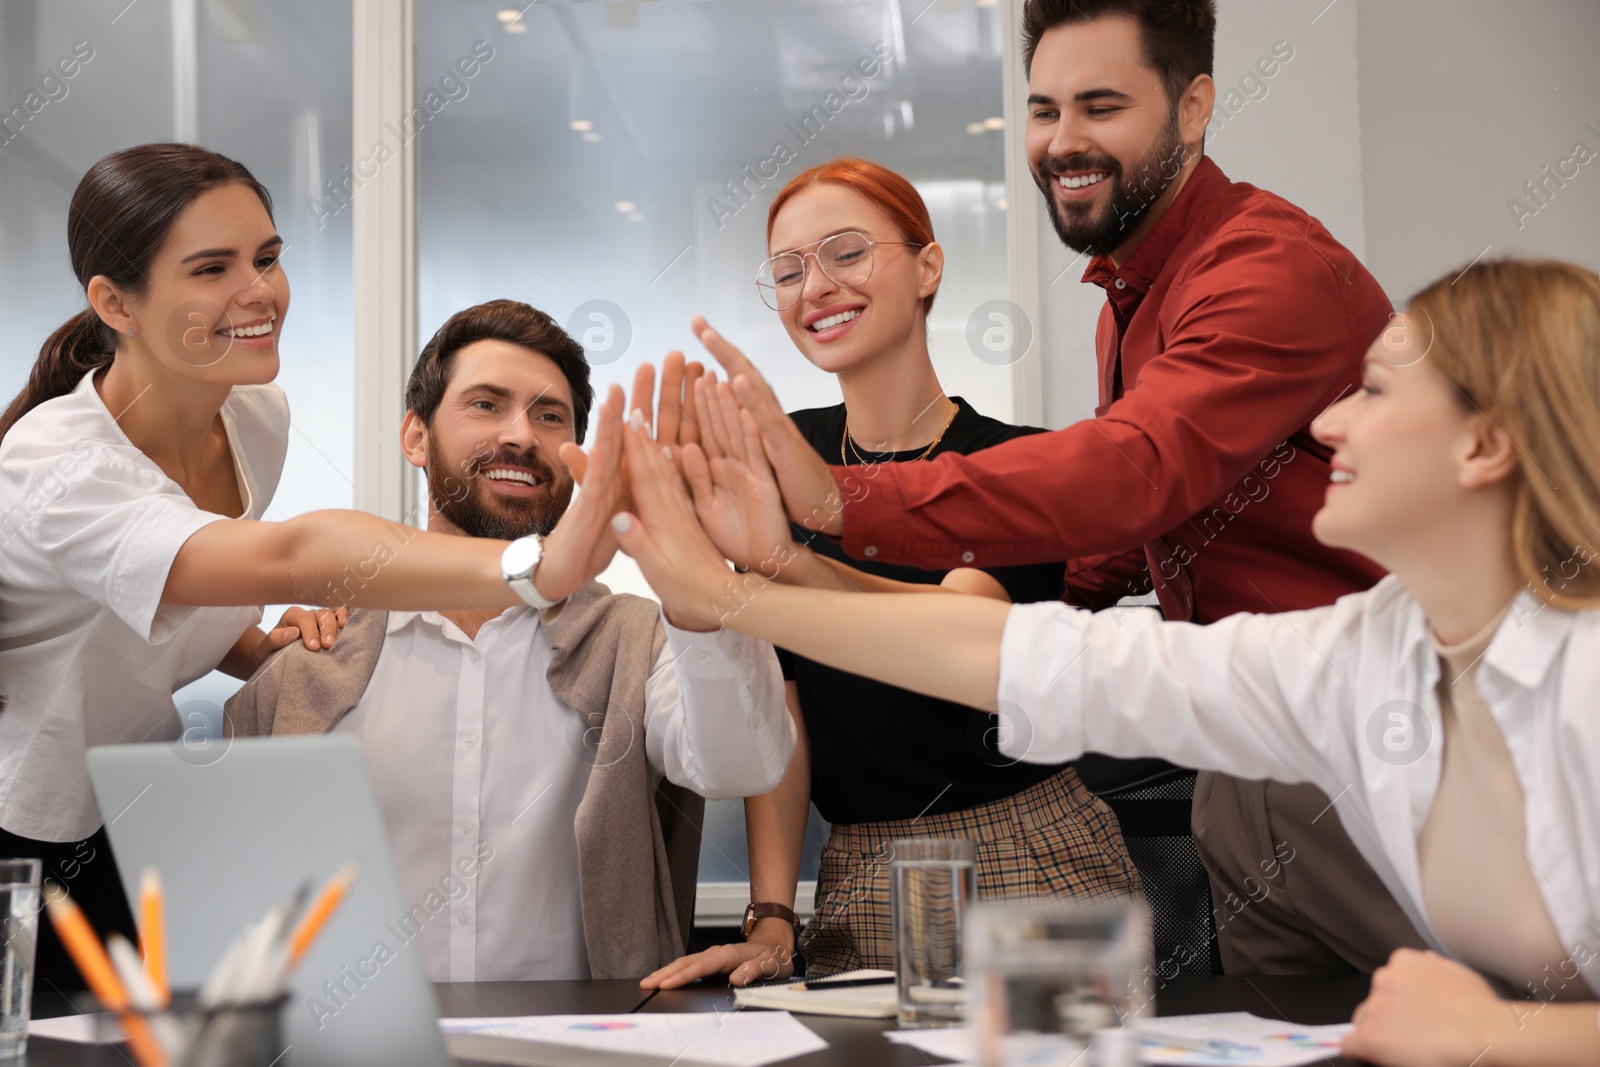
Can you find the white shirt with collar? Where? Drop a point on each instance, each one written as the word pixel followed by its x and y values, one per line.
pixel 89 527
pixel 1344 697
pixel 479 768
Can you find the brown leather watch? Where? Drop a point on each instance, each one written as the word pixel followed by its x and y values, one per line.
pixel 754 911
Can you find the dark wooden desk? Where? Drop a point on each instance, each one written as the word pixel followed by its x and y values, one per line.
pixel 851 1042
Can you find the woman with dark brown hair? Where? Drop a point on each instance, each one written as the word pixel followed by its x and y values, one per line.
pixel 134 470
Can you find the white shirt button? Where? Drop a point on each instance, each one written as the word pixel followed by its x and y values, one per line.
pixel 471 739
pixel 967 557
pixel 870 550
pixel 704 656
pixel 461 917
pixel 466 827
pixel 1120 284
pixel 473 656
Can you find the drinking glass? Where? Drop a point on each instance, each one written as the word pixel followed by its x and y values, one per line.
pixel 931 882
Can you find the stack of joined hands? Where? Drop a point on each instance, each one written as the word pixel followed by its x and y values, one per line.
pixel 697 485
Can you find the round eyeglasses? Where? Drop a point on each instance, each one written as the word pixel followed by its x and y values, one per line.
pixel 846 259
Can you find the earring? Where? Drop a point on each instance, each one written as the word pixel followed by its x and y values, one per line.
pixel 130 331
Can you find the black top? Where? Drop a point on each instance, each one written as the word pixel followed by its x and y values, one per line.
pixel 880 752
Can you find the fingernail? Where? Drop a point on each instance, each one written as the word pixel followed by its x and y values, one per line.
pixel 621 523
pixel 666 451
pixel 636 420
pixel 315 645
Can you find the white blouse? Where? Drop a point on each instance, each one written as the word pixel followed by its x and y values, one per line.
pixel 89 527
pixel 1343 697
pixel 479 767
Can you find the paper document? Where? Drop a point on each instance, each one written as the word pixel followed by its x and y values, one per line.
pixel 952 1043
pixel 100 1028
pixel 1236 1039
pixel 699 1039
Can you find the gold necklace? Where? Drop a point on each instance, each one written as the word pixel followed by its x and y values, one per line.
pixel 845 437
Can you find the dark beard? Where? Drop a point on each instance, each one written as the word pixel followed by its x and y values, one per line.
pixel 1130 197
pixel 465 501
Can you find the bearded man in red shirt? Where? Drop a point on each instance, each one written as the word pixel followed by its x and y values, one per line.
pixel 1232 319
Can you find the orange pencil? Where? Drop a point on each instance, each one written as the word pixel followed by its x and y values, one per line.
pixel 90 956
pixel 153 932
pixel 319 912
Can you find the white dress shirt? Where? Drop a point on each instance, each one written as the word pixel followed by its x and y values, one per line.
pixel 1344 697
pixel 89 527
pixel 479 768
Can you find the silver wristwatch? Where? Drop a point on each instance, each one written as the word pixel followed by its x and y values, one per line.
pixel 517 564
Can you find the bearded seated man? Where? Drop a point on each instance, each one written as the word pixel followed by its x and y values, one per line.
pixel 540 770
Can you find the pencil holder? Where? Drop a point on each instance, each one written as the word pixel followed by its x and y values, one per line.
pixel 235 1035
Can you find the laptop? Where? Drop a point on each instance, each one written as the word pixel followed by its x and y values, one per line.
pixel 237 826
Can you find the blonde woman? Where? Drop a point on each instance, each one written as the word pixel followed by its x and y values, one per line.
pixel 1451 708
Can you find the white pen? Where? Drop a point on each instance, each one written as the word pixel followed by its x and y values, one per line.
pixel 1221 1048
pixel 142 994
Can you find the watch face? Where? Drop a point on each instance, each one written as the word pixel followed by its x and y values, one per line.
pixel 520 557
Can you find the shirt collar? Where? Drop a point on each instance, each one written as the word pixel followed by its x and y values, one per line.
pixel 1528 642
pixel 1150 255
pixel 399 620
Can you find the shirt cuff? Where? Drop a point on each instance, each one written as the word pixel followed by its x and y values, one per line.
pixel 1040 704
pixel 873 504
pixel 718 655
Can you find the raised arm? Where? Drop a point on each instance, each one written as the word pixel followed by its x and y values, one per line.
pixel 1259 696
pixel 1230 386
pixel 351 559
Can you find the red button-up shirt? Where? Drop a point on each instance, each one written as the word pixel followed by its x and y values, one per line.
pixel 1234 323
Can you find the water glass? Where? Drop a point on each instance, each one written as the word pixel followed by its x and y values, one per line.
pixel 1052 977
pixel 931 882
pixel 19 912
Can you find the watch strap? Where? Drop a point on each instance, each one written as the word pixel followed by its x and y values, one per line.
pixel 766 910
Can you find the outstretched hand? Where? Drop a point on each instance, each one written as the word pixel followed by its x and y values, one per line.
pixel 582 544
pixel 736 496
pixel 664 537
pixel 673 418
pixel 810 495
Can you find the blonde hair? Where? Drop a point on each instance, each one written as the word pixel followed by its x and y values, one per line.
pixel 1520 341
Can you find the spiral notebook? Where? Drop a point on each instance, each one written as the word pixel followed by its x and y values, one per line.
pixel 873 995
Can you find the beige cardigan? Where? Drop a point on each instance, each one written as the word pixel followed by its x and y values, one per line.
pixel 638 834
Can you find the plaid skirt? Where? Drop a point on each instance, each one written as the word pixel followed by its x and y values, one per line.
pixel 1053 839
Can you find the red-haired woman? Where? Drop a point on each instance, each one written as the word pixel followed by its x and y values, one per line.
pixel 853 272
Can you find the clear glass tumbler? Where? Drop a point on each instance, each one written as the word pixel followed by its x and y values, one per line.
pixel 19 912
pixel 1053 977
pixel 931 882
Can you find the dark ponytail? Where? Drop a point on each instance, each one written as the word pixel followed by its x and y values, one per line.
pixel 120 216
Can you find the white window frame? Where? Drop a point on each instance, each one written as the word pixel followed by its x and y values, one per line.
pixel 385 254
